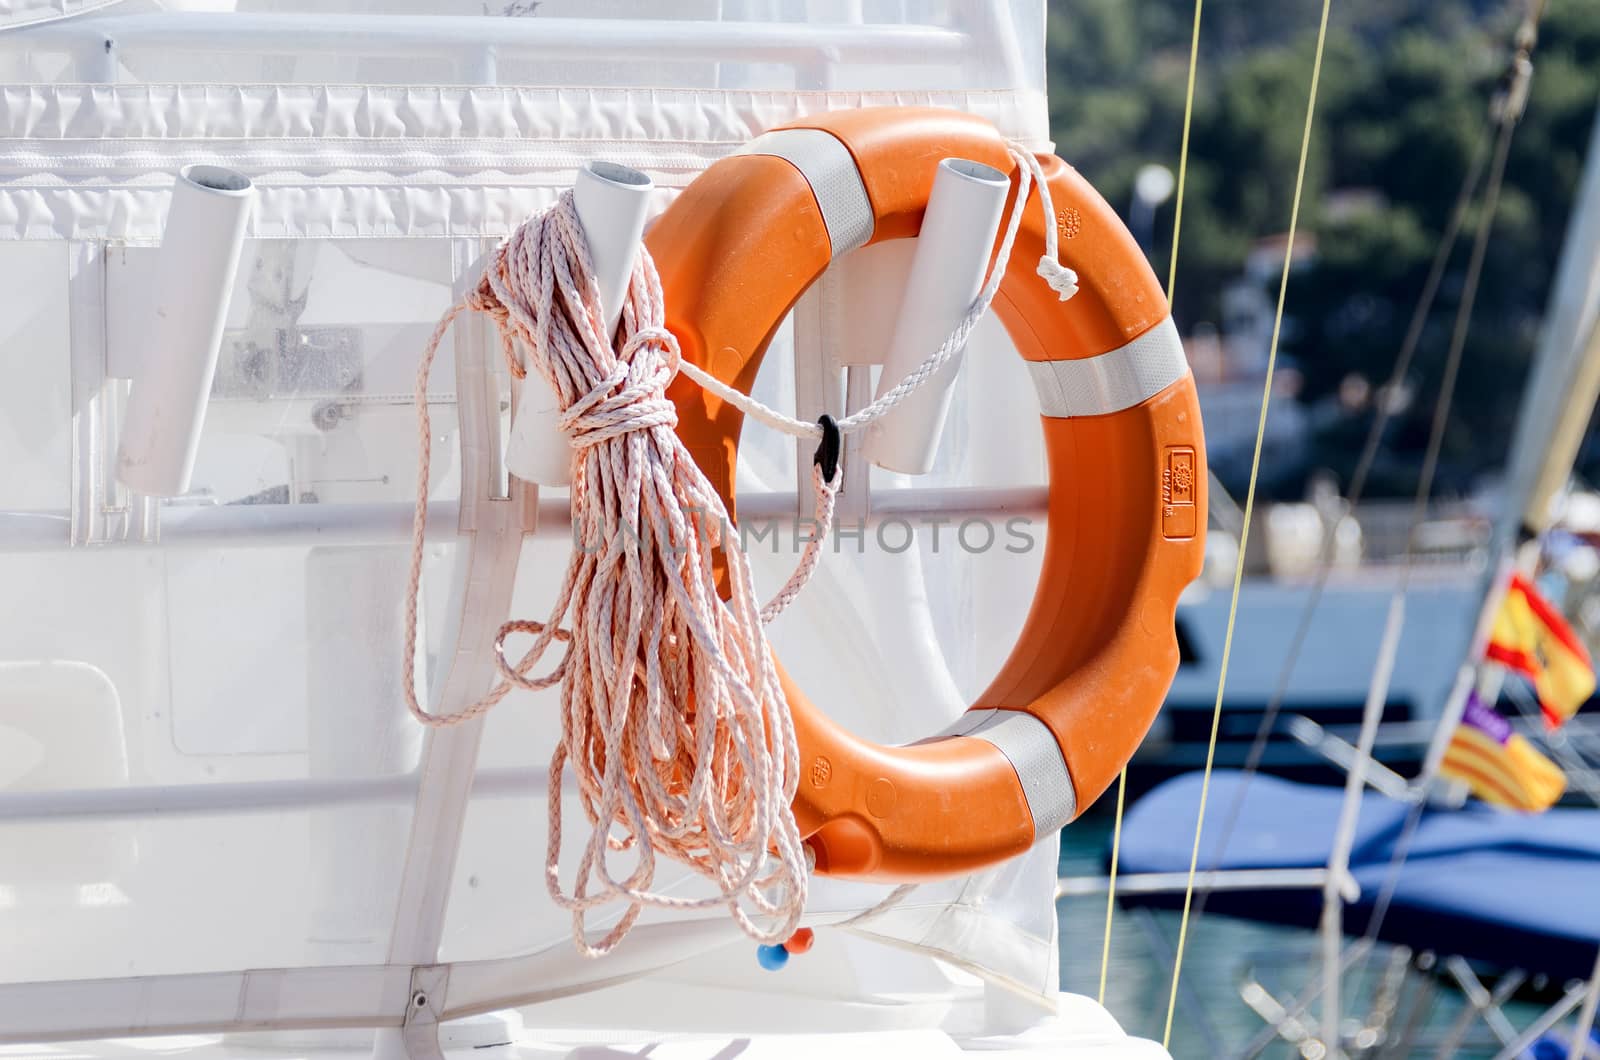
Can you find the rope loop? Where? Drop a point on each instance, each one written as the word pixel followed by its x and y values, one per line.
pixel 1060 278
pixel 516 674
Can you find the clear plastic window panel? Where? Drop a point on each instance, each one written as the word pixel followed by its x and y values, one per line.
pixel 205 762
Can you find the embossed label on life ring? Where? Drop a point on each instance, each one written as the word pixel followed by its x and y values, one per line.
pixel 1179 518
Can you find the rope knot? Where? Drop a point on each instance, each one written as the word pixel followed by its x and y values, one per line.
pixel 1062 280
pixel 482 299
pixel 632 396
pixel 617 414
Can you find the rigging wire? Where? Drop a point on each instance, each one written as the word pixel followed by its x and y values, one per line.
pixel 1370 447
pixel 1111 881
pixel 1458 339
pixel 1387 407
pixel 1249 505
pixel 1506 110
pixel 1525 37
pixel 1183 151
pixel 1172 281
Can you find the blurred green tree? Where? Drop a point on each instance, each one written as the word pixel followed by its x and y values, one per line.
pixel 1404 99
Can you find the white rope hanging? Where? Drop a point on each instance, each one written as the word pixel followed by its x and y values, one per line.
pixel 1061 279
pixel 673 720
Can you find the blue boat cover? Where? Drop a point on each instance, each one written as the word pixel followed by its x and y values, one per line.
pixel 1515 890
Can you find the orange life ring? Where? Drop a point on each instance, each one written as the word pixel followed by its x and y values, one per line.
pixel 1127 474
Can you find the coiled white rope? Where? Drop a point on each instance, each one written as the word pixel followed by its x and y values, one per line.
pixel 672 717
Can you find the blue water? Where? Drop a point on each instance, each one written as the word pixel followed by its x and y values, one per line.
pixel 1220 953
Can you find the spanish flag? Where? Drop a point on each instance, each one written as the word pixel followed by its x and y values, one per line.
pixel 1500 766
pixel 1532 638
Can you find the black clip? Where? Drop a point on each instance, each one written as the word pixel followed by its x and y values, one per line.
pixel 827 454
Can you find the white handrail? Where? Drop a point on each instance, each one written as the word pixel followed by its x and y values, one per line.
pixel 245 797
pixel 94 42
pixel 331 997
pixel 1214 880
pixel 274 525
pixel 1344 754
pixel 1334 897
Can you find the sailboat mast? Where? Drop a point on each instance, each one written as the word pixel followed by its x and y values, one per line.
pixel 1556 406
pixel 1566 374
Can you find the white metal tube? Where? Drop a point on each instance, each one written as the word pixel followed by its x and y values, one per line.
pixel 464 36
pixel 1333 900
pixel 1547 1019
pixel 611 201
pixel 537 450
pixel 1591 1001
pixel 188 307
pixel 235 798
pixel 953 249
pixel 276 525
pixel 330 997
pixel 204 1003
pixel 1175 882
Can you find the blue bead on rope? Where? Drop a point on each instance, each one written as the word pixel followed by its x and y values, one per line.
pixel 772 958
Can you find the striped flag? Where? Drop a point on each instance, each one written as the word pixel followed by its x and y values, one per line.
pixel 1499 765
pixel 1532 638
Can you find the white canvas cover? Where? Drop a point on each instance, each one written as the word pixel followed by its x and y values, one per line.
pixel 248 633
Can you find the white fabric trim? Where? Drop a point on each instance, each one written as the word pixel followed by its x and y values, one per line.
pixel 830 169
pixel 1112 381
pixel 96 161
pixel 268 111
pixel 14 14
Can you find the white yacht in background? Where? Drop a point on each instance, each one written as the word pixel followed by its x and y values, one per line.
pixel 220 833
pixel 1318 668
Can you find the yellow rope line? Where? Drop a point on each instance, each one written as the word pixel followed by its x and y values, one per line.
pixel 1183 152
pixel 1172 280
pixel 1111 891
pixel 1249 504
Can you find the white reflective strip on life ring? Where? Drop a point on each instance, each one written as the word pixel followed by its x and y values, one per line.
pixel 830 169
pixel 1033 752
pixel 1113 381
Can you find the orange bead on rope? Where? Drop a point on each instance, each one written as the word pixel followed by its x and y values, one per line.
pixel 801 941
